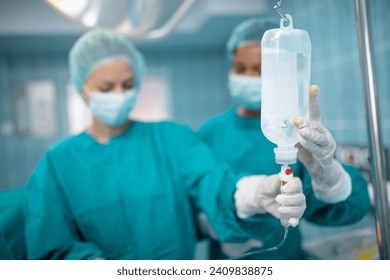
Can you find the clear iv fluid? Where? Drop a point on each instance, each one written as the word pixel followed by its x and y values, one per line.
pixel 285 73
pixel 287 84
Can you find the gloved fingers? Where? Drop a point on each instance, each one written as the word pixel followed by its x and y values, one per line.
pixel 293 186
pixel 313 131
pixel 253 181
pixel 310 133
pixel 301 123
pixel 289 221
pixel 246 196
pixel 316 150
pixel 314 136
pixel 271 185
pixel 292 211
pixel 272 208
pixel 297 199
pixel 273 180
pixel 284 220
pixel 293 222
pixel 304 156
pixel 314 105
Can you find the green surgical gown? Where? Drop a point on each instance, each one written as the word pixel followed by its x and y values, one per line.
pixel 12 220
pixel 5 251
pixel 133 198
pixel 240 143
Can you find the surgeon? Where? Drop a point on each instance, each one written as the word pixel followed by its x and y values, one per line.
pixel 125 189
pixel 335 194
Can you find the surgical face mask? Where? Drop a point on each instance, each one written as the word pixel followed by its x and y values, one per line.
pixel 112 108
pixel 246 91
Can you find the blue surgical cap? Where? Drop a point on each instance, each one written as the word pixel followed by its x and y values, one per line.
pixel 97 46
pixel 249 31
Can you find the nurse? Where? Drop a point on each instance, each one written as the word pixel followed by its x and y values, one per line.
pixel 126 189
pixel 335 194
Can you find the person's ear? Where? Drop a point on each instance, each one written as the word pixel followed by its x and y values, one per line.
pixel 85 94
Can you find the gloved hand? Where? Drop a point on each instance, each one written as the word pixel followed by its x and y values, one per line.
pixel 316 148
pixel 261 194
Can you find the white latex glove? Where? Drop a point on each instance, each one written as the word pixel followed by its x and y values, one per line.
pixel 260 194
pixel 316 148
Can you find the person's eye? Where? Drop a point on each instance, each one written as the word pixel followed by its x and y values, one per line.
pixel 128 85
pixel 240 69
pixel 105 89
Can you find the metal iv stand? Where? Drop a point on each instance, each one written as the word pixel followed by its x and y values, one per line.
pixel 377 162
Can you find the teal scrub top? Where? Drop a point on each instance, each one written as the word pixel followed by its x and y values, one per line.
pixel 12 221
pixel 133 198
pixel 239 142
pixel 5 251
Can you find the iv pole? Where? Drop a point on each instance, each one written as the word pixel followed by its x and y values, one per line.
pixel 377 161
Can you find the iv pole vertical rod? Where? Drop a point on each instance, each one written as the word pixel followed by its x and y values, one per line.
pixel 377 161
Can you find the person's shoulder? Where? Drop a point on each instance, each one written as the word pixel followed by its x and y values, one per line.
pixel 166 129
pixel 60 150
pixel 170 134
pixel 166 125
pixel 217 121
pixel 66 144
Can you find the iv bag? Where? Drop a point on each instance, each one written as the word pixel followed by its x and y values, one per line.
pixel 285 74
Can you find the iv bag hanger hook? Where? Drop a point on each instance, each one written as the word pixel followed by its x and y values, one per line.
pixel 278 9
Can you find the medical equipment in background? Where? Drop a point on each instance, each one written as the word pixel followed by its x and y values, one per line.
pixel 354 241
pixel 138 19
pixel 374 129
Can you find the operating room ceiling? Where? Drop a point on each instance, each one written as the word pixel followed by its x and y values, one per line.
pixel 33 24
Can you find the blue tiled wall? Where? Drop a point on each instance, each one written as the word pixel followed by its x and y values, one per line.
pixel 335 63
pixel 198 80
pixel 19 154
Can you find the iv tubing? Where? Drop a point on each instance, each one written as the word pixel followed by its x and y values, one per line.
pixel 287 175
pixel 262 251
